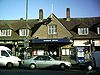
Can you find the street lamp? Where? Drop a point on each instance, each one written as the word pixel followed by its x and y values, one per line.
pixel 26 40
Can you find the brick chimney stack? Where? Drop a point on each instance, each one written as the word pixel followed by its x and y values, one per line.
pixel 40 15
pixel 68 14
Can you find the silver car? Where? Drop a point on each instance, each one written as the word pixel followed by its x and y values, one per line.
pixel 43 61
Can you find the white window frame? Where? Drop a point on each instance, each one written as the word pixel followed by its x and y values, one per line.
pixel 83 31
pixel 98 30
pixel 65 51
pixel 52 29
pixel 5 32
pixel 24 32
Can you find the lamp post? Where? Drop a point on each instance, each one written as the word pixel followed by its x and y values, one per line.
pixel 26 10
pixel 26 40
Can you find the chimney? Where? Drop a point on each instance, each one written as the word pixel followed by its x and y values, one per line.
pixel 41 15
pixel 21 19
pixel 68 14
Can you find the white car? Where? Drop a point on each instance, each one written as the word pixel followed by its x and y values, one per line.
pixel 43 61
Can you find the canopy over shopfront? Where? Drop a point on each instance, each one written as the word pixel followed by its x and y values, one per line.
pixel 62 40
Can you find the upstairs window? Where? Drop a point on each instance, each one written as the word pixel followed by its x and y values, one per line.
pixel 98 30
pixel 52 29
pixel 24 32
pixel 83 31
pixel 5 32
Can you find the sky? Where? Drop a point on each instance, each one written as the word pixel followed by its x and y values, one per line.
pixel 15 9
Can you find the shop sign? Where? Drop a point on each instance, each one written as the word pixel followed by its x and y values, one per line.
pixel 2 42
pixel 9 42
pixel 80 51
pixel 20 42
pixel 80 54
pixel 50 40
pixel 97 42
pixel 26 42
pixel 81 43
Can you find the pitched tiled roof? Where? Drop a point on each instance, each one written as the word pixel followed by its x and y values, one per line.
pixel 71 25
pixel 17 24
pixel 74 23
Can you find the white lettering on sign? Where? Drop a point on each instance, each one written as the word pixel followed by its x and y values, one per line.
pixel 50 40
pixel 54 40
pixel 46 40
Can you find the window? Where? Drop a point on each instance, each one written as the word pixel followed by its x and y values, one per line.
pixel 98 30
pixel 38 52
pixel 52 29
pixel 65 52
pixel 6 32
pixel 42 58
pixel 24 32
pixel 83 31
pixel 4 53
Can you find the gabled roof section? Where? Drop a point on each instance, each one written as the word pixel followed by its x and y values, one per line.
pixel 69 24
pixel 80 22
pixel 6 26
pixel 17 24
pixel 51 16
pixel 74 23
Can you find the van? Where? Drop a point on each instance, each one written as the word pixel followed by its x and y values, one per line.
pixel 96 59
pixel 6 58
pixel 94 62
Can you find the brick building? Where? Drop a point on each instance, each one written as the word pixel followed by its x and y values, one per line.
pixel 60 35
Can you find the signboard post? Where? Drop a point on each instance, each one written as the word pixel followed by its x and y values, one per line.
pixel 80 54
pixel 26 42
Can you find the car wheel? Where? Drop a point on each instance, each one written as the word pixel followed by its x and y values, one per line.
pixel 9 65
pixel 63 67
pixel 32 66
pixel 89 67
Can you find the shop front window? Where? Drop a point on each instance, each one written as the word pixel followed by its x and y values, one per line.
pixel 65 52
pixel 38 52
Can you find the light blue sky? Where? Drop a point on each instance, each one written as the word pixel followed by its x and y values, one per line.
pixel 15 9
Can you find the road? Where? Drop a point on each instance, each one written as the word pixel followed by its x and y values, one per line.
pixel 45 72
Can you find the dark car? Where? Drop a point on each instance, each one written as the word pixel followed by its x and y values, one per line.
pixel 94 63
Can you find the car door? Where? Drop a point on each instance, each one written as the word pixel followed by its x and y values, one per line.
pixel 43 61
pixel 3 58
pixel 39 62
pixel 48 62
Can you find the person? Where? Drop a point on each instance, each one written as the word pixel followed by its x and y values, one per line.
pixel 54 53
pixel 46 53
pixel 87 56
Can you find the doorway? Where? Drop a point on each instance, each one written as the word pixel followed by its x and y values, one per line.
pixel 53 50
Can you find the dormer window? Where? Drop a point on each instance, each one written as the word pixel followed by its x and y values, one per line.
pixel 83 31
pixel 52 29
pixel 98 30
pixel 5 32
pixel 24 32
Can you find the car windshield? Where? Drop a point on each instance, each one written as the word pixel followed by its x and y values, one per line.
pixel 9 52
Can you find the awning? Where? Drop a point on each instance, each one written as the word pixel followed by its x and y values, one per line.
pixel 62 40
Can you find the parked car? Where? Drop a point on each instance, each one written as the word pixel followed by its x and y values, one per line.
pixel 6 58
pixel 43 61
pixel 94 63
pixel 87 65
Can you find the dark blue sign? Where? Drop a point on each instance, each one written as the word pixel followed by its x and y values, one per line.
pixel 50 40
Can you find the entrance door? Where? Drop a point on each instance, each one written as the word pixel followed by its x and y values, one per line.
pixel 53 50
